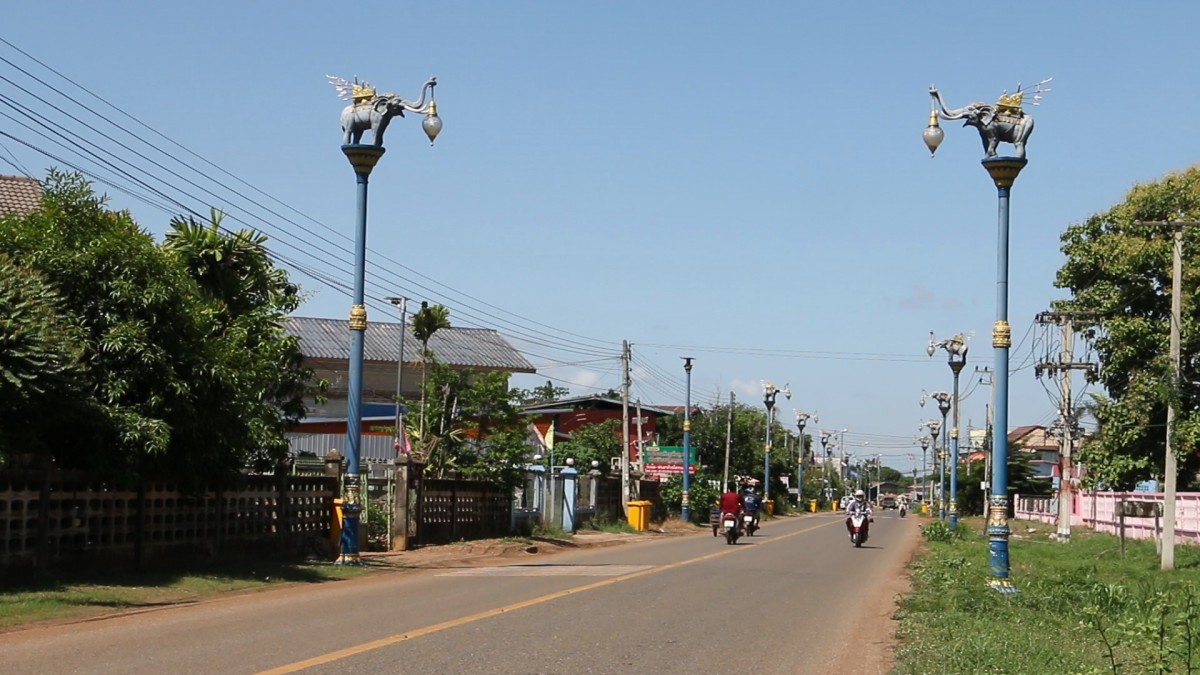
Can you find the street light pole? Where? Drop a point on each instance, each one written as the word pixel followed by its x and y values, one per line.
pixel 956 357
pixel 825 463
pixel 924 470
pixel 1003 171
pixel 770 392
pixel 401 302
pixel 934 428
pixel 801 421
pixel 363 159
pixel 687 440
pixel 943 400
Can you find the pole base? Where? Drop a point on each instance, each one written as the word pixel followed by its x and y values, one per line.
pixel 1003 586
pixel 350 559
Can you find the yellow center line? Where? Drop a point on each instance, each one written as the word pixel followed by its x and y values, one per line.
pixel 453 623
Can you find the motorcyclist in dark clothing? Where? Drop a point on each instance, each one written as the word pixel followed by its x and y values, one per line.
pixel 752 504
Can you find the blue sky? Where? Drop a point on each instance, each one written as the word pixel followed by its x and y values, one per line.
pixel 741 183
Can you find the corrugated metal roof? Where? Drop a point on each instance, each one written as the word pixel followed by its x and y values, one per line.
pixel 19 195
pixel 578 402
pixel 481 348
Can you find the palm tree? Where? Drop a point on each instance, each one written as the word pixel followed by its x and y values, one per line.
pixel 425 323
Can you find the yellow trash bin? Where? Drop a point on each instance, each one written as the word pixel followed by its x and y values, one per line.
pixel 834 506
pixel 639 514
pixel 812 505
pixel 770 507
pixel 924 508
pixel 335 529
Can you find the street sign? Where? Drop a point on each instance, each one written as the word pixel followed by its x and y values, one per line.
pixel 666 469
pixel 1146 486
pixel 654 454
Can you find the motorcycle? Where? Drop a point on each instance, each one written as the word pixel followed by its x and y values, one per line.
pixel 859 523
pixel 748 524
pixel 902 510
pixel 729 522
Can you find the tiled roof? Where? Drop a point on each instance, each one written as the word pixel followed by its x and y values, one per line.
pixel 481 348
pixel 19 195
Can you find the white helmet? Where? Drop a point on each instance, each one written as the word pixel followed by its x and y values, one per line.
pixel 858 494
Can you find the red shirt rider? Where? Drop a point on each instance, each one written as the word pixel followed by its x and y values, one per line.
pixel 731 502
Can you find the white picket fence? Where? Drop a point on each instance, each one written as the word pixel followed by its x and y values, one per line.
pixel 1099 511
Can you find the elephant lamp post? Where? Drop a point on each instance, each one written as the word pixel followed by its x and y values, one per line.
pixel 367 110
pixel 1006 121
pixel 770 393
pixel 956 356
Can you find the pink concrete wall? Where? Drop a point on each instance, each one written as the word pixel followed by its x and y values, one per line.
pixel 1098 511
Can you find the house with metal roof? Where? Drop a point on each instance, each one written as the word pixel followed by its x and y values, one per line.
pixel 567 415
pixel 1039 446
pixel 325 344
pixel 19 195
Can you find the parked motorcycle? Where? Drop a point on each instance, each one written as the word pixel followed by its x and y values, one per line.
pixel 859 523
pixel 729 521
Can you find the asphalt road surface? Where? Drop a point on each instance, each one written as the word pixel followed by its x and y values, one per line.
pixel 794 598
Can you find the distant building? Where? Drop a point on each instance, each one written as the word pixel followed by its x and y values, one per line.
pixel 325 344
pixel 571 414
pixel 1039 446
pixel 19 195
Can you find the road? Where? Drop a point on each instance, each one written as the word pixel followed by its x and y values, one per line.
pixel 795 598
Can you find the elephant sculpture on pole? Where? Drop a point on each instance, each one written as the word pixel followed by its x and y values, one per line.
pixel 374 111
pixel 1003 121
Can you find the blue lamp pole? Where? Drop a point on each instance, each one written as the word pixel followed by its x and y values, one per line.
pixel 1007 122
pixel 943 401
pixel 687 440
pixel 363 158
pixel 801 421
pixel 770 392
pixel 935 427
pixel 956 356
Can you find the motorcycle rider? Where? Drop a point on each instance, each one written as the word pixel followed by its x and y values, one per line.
pixel 752 504
pixel 732 502
pixel 858 504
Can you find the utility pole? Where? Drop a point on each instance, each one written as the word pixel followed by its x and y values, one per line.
pixel 985 377
pixel 1066 423
pixel 625 427
pixel 1170 468
pixel 728 442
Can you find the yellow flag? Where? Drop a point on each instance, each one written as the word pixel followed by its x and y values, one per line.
pixel 549 439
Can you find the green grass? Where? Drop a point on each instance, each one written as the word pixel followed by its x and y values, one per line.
pixel 1080 609
pixel 614 526
pixel 552 532
pixel 86 597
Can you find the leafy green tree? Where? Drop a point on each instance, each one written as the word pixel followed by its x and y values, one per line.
pixel 595 442
pixel 474 428
pixel 542 394
pixel 254 385
pixel 181 376
pixel 709 431
pixel 701 496
pixel 41 353
pixel 1020 482
pixel 425 323
pixel 1119 268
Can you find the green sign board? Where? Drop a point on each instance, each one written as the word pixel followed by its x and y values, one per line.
pixel 665 454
